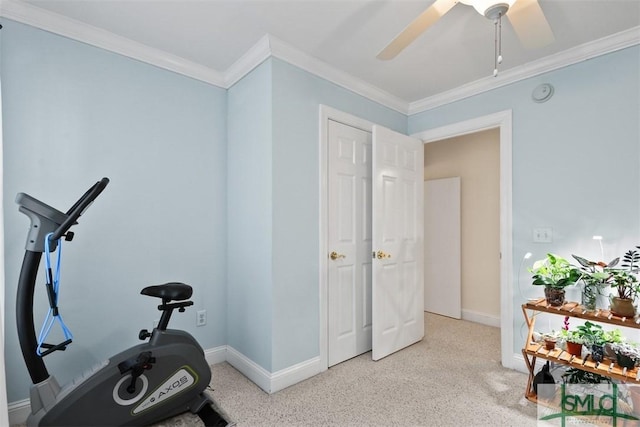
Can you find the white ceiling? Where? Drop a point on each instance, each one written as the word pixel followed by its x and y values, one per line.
pixel 347 34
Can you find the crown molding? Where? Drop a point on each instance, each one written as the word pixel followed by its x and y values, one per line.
pixel 76 30
pixel 559 60
pixel 288 53
pixel 247 62
pixel 269 45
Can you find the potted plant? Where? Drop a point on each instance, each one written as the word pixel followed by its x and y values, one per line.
pixel 594 278
pixel 622 301
pixel 550 340
pixel 574 341
pixel 627 355
pixel 578 376
pixel 554 273
pixel 611 337
pixel 626 284
pixel 594 337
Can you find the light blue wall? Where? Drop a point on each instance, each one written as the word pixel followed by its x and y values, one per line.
pixel 74 113
pixel 576 160
pixel 296 99
pixel 250 212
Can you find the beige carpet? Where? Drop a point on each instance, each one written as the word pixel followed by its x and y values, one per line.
pixel 452 378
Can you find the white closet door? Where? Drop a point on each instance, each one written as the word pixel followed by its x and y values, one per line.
pixel 349 242
pixel 398 288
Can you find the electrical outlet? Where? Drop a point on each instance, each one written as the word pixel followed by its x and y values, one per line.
pixel 543 235
pixel 201 318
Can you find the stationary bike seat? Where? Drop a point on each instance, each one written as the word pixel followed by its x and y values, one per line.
pixel 172 291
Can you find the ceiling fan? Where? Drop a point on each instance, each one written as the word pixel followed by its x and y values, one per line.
pixel 525 16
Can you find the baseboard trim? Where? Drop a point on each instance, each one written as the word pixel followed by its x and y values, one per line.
pixel 19 411
pixel 518 364
pixel 295 374
pixel 250 369
pixel 216 355
pixel 273 382
pixel 482 318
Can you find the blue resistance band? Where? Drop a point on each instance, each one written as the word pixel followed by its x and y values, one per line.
pixel 53 285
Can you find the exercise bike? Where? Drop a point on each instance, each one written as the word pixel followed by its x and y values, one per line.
pixel 163 377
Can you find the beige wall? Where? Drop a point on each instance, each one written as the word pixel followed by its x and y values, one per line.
pixel 475 159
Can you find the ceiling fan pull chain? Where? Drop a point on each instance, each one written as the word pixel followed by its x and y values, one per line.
pixel 497 40
pixel 495 48
pixel 500 38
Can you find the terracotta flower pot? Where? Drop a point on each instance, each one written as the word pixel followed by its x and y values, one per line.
pixel 622 307
pixel 550 343
pixel 574 348
pixel 555 297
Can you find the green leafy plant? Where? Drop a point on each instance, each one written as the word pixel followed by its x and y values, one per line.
pixel 627 349
pixel 614 336
pixel 572 336
pixel 631 260
pixel 554 272
pixel 551 335
pixel 591 333
pixel 627 355
pixel 595 272
pixel 594 277
pixel 626 284
pixel 625 280
pixel 578 376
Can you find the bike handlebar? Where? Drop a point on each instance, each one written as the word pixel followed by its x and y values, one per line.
pixel 47 220
pixel 79 207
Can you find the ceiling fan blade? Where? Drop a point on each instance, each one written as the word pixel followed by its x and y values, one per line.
pixel 417 27
pixel 530 24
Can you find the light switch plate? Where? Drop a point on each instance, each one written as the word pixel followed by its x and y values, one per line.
pixel 543 235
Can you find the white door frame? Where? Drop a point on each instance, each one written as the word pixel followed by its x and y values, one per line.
pixel 326 114
pixel 503 121
pixel 4 411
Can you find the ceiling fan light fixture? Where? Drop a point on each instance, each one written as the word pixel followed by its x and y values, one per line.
pixel 491 9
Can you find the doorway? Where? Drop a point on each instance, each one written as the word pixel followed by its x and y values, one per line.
pixel 502 121
pixel 473 159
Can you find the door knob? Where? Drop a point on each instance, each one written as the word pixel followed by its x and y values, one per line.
pixel 335 255
pixel 382 255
